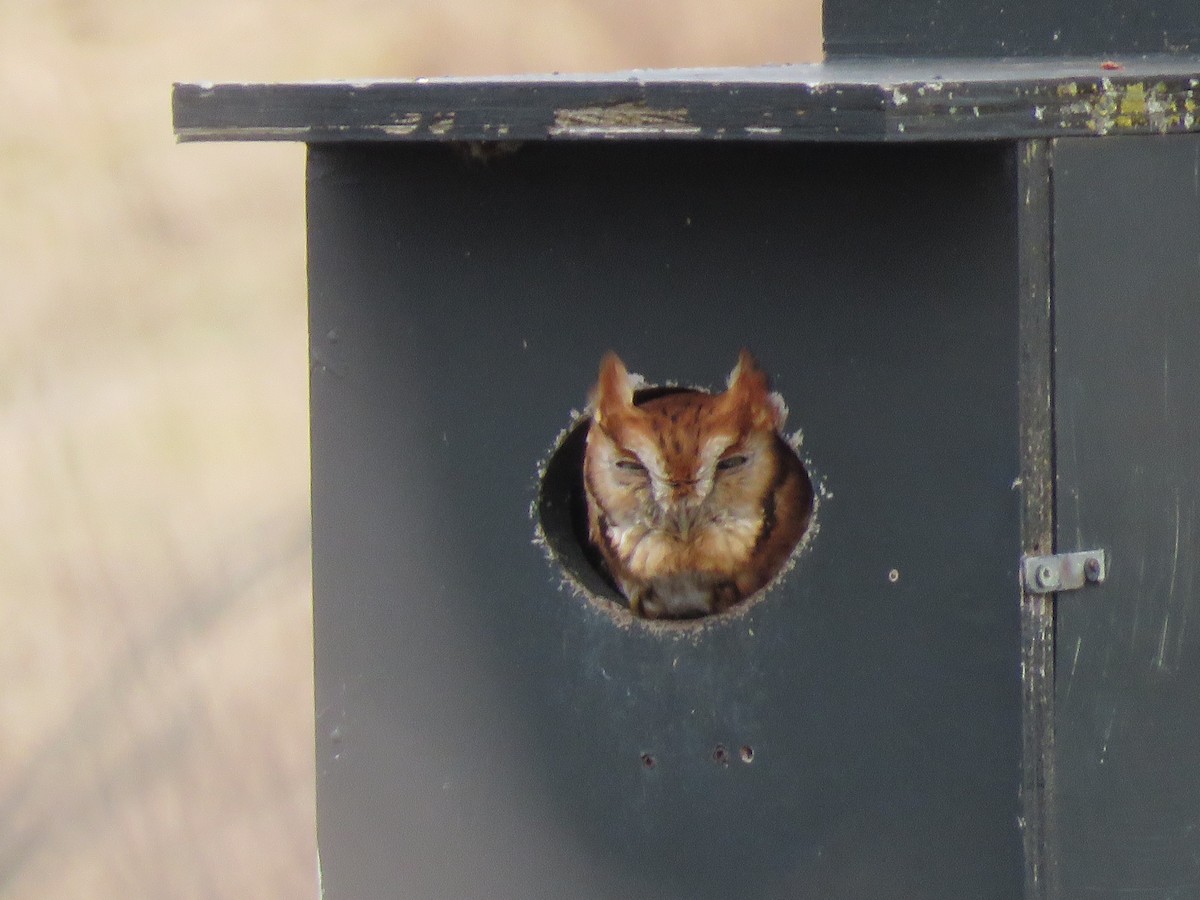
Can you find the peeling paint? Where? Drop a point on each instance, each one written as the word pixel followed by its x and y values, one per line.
pixel 1136 106
pixel 1030 103
pixel 405 124
pixel 441 123
pixel 622 119
pixel 1099 107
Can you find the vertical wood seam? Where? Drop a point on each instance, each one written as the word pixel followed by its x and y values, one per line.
pixel 1035 386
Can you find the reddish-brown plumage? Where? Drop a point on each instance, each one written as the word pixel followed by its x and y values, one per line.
pixel 695 500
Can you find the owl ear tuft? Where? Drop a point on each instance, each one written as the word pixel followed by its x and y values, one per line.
pixel 750 397
pixel 613 394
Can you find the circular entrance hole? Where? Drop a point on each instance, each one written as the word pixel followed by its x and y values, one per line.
pixel 561 508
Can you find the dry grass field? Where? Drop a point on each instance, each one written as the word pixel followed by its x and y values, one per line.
pixel 155 646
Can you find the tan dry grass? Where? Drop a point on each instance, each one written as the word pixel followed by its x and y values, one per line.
pixel 155 646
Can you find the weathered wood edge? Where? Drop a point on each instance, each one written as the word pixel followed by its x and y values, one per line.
pixel 1035 390
pixel 830 102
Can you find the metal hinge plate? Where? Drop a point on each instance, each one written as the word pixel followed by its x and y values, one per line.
pixel 1063 571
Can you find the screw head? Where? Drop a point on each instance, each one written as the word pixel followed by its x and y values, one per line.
pixel 1092 569
pixel 1046 577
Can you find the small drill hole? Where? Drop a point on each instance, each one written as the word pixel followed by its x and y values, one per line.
pixel 894 576
pixel 747 753
pixel 648 761
pixel 720 755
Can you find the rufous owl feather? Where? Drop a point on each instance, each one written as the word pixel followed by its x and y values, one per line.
pixel 694 500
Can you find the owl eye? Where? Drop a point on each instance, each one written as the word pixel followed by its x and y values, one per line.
pixel 630 465
pixel 731 462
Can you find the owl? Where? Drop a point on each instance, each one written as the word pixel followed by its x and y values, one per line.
pixel 694 500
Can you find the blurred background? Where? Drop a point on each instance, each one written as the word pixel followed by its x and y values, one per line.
pixel 156 708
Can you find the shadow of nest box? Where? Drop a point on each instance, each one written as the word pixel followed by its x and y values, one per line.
pixel 890 239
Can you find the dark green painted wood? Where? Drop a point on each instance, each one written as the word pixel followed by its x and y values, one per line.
pixel 1127 416
pixel 480 730
pixel 1014 28
pixel 1035 382
pixel 841 101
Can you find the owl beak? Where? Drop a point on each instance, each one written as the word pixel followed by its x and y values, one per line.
pixel 683 522
pixel 683 510
pixel 679 502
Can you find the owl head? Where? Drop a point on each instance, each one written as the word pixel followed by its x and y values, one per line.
pixel 680 453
